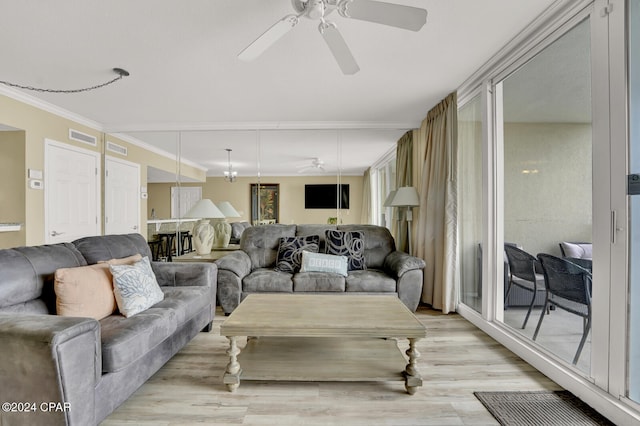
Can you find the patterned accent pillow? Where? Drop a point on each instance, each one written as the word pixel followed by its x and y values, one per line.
pixel 349 244
pixel 135 287
pixel 320 262
pixel 290 252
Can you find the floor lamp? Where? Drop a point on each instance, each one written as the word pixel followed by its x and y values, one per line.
pixel 387 203
pixel 407 196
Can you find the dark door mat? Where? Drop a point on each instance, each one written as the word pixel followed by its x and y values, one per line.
pixel 540 408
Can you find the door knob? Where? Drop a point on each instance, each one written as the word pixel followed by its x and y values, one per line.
pixel 56 233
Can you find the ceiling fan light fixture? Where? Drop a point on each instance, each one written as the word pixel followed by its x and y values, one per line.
pixel 379 12
pixel 230 175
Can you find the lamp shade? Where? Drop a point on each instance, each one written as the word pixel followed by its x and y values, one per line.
pixel 204 209
pixel 227 209
pixel 389 199
pixel 406 196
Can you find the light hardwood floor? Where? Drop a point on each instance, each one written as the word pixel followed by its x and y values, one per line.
pixel 457 359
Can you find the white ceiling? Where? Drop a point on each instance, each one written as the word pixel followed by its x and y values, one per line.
pixel 185 75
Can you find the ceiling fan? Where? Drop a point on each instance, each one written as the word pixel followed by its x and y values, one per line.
pixel 316 164
pixel 395 15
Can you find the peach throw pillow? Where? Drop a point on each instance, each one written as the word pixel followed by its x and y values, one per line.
pixel 87 291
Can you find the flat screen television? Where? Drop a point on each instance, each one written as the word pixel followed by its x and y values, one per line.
pixel 325 196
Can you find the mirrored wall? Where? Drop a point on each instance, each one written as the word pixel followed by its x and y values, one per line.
pixel 283 164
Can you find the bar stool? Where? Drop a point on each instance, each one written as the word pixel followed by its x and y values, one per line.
pixel 186 245
pixel 156 249
pixel 166 241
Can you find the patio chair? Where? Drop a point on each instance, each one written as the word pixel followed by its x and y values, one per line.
pixel 568 288
pixel 522 273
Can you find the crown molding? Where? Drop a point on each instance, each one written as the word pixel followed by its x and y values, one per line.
pixel 154 149
pixel 261 125
pixel 25 98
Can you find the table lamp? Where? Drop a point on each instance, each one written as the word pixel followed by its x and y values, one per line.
pixel 222 229
pixel 203 232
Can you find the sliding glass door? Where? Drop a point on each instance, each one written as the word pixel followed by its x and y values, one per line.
pixel 470 195
pixel 547 185
pixel 561 176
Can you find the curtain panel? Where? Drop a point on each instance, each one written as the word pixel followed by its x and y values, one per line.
pixel 404 177
pixel 436 234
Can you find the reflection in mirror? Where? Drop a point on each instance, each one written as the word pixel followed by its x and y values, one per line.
pixel 12 164
pixel 548 190
pixel 286 159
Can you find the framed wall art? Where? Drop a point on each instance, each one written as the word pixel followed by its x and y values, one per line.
pixel 265 199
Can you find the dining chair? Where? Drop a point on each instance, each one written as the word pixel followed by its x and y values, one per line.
pixel 568 288
pixel 522 273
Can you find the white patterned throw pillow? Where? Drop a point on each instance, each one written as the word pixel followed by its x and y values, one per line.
pixel 320 262
pixel 135 287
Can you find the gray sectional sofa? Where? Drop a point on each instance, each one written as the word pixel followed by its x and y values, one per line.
pixel 251 269
pixel 87 368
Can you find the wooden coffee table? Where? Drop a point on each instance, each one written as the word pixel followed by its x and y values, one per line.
pixel 294 337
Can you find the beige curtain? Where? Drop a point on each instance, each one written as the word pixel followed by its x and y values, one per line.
pixel 436 240
pixel 365 216
pixel 404 177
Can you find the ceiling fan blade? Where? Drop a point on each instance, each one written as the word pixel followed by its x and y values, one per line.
pixel 268 38
pixel 339 48
pixel 395 15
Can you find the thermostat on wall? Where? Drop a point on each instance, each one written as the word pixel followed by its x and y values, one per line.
pixel 35 184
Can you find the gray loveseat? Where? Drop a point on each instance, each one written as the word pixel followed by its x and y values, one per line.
pixel 87 368
pixel 251 269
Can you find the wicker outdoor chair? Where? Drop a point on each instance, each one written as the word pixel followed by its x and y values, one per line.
pixel 568 288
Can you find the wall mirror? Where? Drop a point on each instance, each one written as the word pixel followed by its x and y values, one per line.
pixel 280 161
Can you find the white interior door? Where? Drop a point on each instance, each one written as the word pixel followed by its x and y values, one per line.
pixel 71 191
pixel 121 196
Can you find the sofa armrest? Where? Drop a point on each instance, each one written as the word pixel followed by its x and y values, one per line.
pixel 237 262
pixel 397 263
pixel 232 268
pixel 50 359
pixel 174 274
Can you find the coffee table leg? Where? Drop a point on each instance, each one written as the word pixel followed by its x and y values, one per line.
pixel 412 377
pixel 232 373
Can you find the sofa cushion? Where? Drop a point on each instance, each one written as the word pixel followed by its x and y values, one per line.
pixel 267 280
pixel 261 243
pixel 105 247
pixel 378 243
pixel 320 262
pixel 290 252
pixel 349 244
pixel 125 340
pixel 371 280
pixel 237 228
pixel 27 273
pixel 85 291
pixel 318 281
pixel 135 287
pixel 185 301
pixel 315 229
